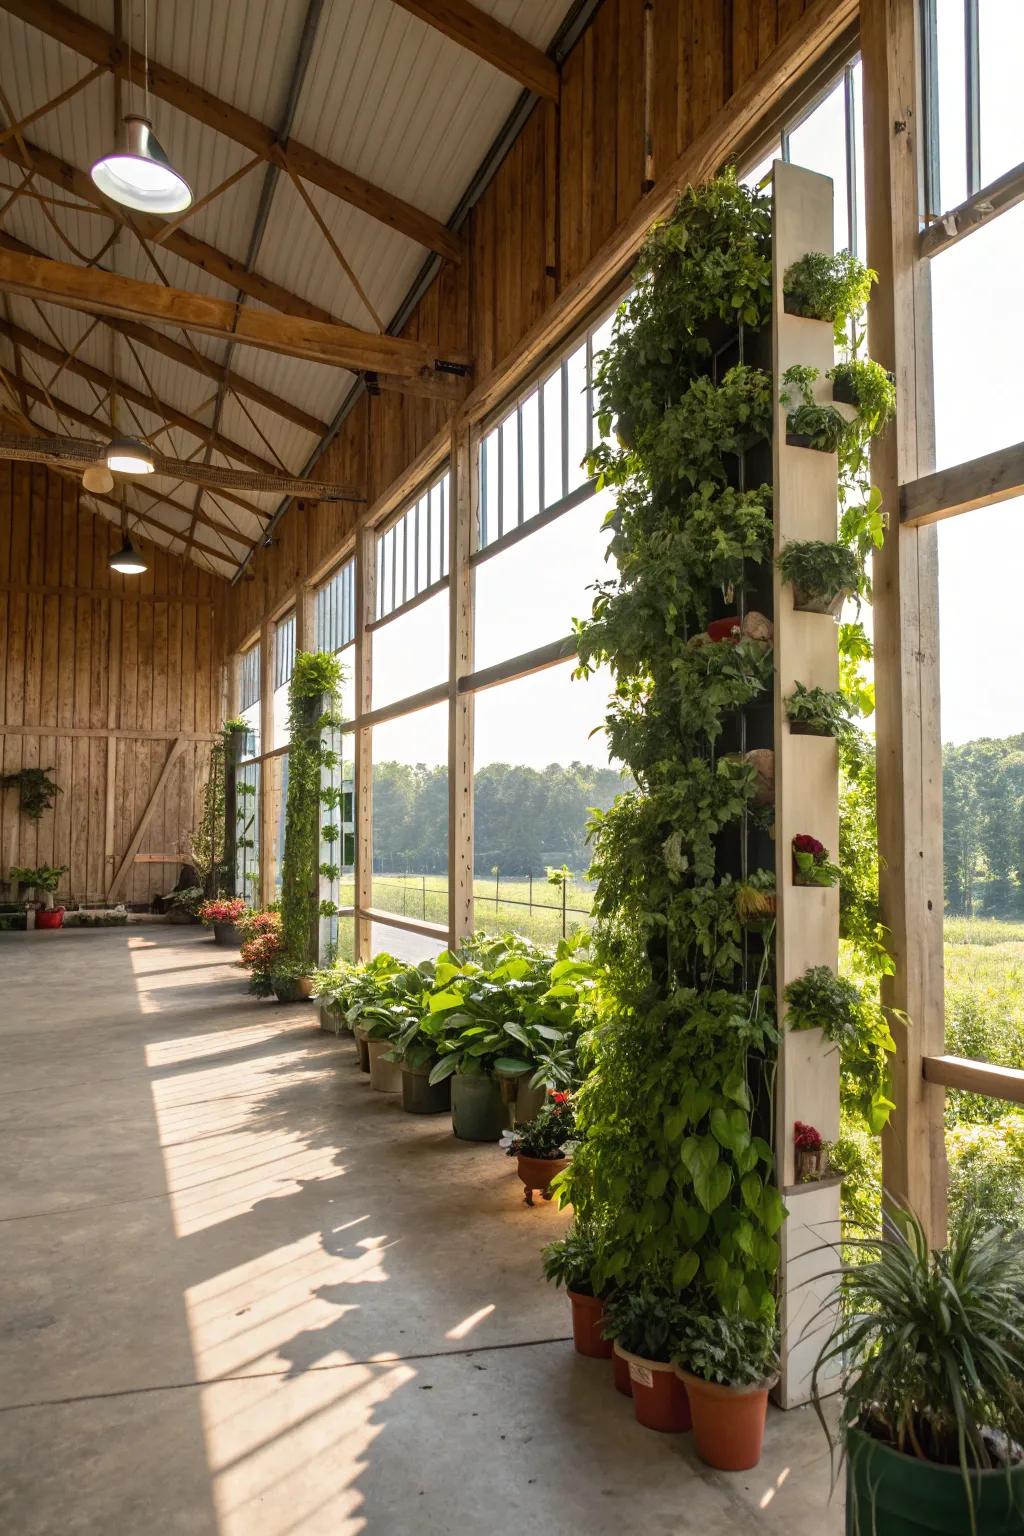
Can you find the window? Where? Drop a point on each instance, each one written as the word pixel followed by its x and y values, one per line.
pixel 336 629
pixel 412 555
pixel 284 662
pixel 247 832
pixel 410 651
pixel 974 127
pixel 249 699
pixel 410 815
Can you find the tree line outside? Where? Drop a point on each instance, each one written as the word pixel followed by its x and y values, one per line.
pixel 983 827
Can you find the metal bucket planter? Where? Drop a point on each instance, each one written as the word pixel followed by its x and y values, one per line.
pixel 420 1097
pixel 385 1076
pixel 478 1111
pixel 227 935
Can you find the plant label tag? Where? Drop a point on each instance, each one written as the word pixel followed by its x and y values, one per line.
pixel 640 1374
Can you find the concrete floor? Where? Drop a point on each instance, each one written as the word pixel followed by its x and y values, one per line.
pixel 243 1295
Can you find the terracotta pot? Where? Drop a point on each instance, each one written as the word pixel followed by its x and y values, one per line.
pixel 50 917
pixel 728 1422
pixel 659 1394
pixel 385 1076
pixel 587 1322
pixel 537 1173
pixel 620 1374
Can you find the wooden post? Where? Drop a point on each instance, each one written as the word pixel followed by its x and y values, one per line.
pixel 461 523
pixel 305 617
pixel 906 617
pixel 806 795
pixel 266 792
pixel 366 603
pixel 113 722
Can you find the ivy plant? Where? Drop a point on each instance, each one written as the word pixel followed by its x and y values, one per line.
pixel 316 676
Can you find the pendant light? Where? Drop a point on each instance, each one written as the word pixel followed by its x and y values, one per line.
pixel 129 456
pixel 127 560
pixel 138 173
pixel 97 478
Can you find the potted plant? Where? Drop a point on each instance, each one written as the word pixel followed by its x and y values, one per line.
pixel 261 948
pixel 385 1071
pixel 415 1049
pixel 823 286
pixel 868 386
pixel 570 1261
pixel 755 898
pixel 819 999
pixel 729 1364
pixel 645 1324
pixel 223 914
pixel 930 1344
pixel 43 881
pixel 291 981
pixel 823 576
pixel 811 863
pixel 810 1148
pixel 540 1147
pixel 809 423
pixel 818 712
pixel 183 906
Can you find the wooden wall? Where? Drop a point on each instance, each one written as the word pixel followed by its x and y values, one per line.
pixel 576 172
pixel 93 664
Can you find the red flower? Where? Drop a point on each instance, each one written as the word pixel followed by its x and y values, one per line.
pixel 559 1098
pixel 804 843
pixel 806 1138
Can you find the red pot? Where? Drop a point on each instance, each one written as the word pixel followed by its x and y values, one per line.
pixel 587 1322
pixel 620 1373
pixel 537 1173
pixel 728 1422
pixel 659 1396
pixel 52 917
pixel 722 629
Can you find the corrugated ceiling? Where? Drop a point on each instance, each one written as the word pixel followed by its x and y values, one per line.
pixel 384 94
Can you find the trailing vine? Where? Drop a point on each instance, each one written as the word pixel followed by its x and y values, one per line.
pixel 36 790
pixel 311 696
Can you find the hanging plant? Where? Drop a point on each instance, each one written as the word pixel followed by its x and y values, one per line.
pixel 36 790
pixel 823 286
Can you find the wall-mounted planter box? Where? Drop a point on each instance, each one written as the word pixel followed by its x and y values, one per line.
pixel 805 728
pixel 806 602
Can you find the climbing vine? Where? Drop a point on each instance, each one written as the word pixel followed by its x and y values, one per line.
pixel 311 696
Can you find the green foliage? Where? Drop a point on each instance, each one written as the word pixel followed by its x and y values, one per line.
pixel 44 877
pixel 932 1342
pixel 983 826
pixel 823 426
pixel 207 842
pixel 819 999
pixel 315 676
pixel 729 1349
pixel 866 384
pixel 826 287
pixel 570 1260
pixel 824 711
pixel 852 1017
pixel 986 1169
pixel 821 571
pixel 645 1321
pixel 36 790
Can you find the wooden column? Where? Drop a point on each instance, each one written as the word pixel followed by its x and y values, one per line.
pixel 266 795
pixel 366 604
pixel 113 722
pixel 461 523
pixel 806 794
pixel 906 616
pixel 305 617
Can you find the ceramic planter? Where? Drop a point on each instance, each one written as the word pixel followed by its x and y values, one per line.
pixel 810 602
pixel 420 1097
pixel 587 1322
pixel 521 1101
pixel 478 1111
pixel 728 1422
pixel 889 1494
pixel 50 917
pixel 659 1394
pixel 362 1048
pixel 289 989
pixel 620 1374
pixel 537 1173
pixel 227 935
pixel 385 1076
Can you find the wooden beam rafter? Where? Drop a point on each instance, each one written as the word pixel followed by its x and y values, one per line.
pixel 92 42
pixel 479 33
pixel 106 293
pixel 980 482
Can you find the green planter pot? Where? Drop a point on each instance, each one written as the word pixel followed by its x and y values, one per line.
pixel 419 1097
pixel 227 935
pixel 889 1494
pixel 478 1110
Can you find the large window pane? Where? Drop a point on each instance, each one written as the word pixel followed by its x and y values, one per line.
pixel 539 765
pixel 337 840
pixel 410 815
pixel 950 111
pixel 978 328
pixel 247 832
pixel 530 593
pixel 819 143
pixel 410 652
pixel 1001 57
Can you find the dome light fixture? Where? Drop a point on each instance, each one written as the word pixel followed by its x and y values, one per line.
pixel 138 173
pixel 129 456
pixel 128 560
pixel 97 478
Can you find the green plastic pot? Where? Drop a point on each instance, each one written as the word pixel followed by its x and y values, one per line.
pixel 419 1097
pixel 889 1494
pixel 478 1110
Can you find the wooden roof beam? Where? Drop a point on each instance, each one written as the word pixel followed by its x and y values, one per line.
pixel 156 341
pixel 147 402
pixel 105 293
pixel 474 30
pixel 92 42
